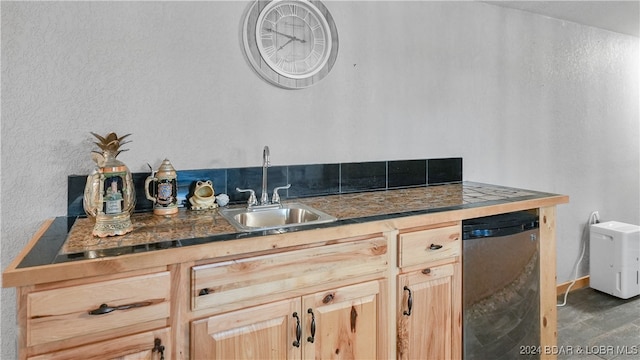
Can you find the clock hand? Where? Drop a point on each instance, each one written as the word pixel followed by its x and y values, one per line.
pixel 285 44
pixel 293 38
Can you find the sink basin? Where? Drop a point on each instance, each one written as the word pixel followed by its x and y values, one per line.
pixel 275 217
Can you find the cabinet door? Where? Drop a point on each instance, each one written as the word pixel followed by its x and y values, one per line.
pixel 152 345
pixel 261 332
pixel 426 313
pixel 346 321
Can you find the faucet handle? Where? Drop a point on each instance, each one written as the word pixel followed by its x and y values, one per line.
pixel 252 196
pixel 275 199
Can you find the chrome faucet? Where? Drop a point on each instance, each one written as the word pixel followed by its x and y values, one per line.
pixel 264 198
pixel 252 197
pixel 275 199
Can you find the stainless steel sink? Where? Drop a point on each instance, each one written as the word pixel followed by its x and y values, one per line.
pixel 275 217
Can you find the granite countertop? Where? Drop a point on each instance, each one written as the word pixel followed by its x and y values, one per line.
pixel 70 239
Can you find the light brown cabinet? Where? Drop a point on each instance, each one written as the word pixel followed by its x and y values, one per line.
pixel 103 317
pixel 347 323
pixel 287 305
pixel 152 345
pixel 429 294
pixel 328 300
pixel 426 320
pixel 237 299
pixel 426 246
pixel 340 323
pixel 260 332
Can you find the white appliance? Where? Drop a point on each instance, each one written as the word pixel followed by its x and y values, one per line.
pixel 614 261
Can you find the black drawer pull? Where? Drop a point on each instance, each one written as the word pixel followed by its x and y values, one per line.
pixel 435 247
pixel 105 309
pixel 203 292
pixel 158 347
pixel 409 302
pixel 311 338
pixel 298 330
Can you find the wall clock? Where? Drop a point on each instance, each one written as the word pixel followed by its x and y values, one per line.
pixel 290 43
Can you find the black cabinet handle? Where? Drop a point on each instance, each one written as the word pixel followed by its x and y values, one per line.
pixel 105 309
pixel 311 338
pixel 435 247
pixel 409 302
pixel 158 347
pixel 298 330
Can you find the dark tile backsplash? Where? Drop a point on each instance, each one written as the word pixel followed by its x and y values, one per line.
pixel 443 171
pixel 313 180
pixel 407 173
pixel 305 180
pixel 367 176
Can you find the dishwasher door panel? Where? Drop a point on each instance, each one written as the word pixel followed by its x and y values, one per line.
pixel 501 300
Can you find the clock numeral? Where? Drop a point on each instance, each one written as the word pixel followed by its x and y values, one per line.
pixel 315 55
pixel 279 12
pixel 265 34
pixel 287 66
pixel 293 9
pixel 319 32
pixel 307 62
pixel 305 18
pixel 269 51
pixel 280 63
pixel 319 41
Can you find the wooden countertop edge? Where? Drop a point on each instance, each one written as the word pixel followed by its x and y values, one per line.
pixel 14 264
pixel 14 277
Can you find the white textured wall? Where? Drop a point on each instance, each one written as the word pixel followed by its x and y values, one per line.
pixel 526 100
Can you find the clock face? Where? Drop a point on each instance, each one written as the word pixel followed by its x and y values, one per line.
pixel 290 43
pixel 293 38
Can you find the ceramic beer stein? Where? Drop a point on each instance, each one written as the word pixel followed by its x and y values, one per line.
pixel 161 188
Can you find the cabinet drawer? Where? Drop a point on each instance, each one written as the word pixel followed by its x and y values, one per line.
pixel 133 347
pixel 64 313
pixel 416 248
pixel 236 284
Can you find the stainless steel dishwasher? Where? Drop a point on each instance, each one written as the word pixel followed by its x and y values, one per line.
pixel 500 287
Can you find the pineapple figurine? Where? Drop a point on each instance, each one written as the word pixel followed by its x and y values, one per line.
pixel 109 195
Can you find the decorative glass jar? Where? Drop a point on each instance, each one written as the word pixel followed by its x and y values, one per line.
pixel 109 195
